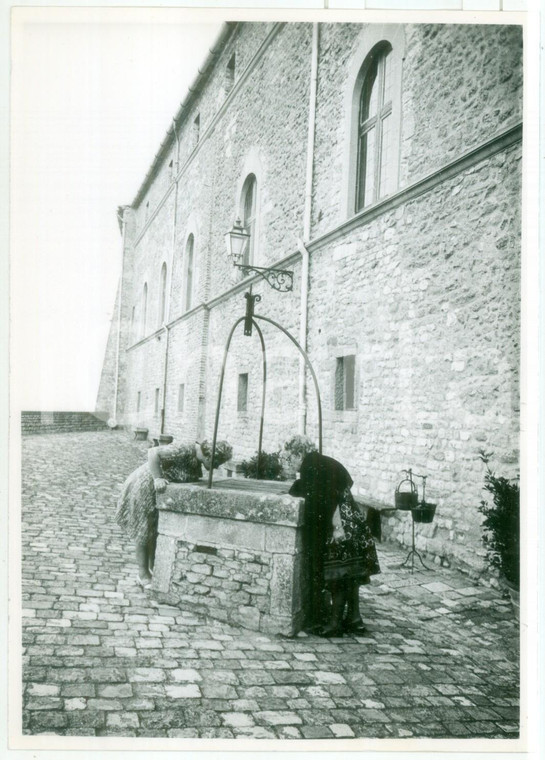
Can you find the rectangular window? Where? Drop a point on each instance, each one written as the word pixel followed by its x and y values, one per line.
pixel 196 129
pixel 242 398
pixel 345 382
pixel 181 397
pixel 230 75
pixel 138 400
pixel 157 399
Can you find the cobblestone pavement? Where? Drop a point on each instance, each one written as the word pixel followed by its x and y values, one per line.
pixel 101 657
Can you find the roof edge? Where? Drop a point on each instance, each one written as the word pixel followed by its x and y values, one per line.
pixel 194 89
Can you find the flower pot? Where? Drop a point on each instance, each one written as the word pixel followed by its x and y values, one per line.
pixel 141 434
pixel 424 512
pixel 164 439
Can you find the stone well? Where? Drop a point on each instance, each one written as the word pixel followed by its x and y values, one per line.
pixel 233 552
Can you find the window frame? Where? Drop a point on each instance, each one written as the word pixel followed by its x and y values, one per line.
pixel 373 38
pixel 249 217
pixel 181 397
pixel 243 409
pixel 163 278
pixel 188 280
pixel 340 377
pixel 144 315
pixel 230 71
pixel 376 63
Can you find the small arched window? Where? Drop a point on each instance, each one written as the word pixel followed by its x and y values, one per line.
pixel 188 273
pixel 143 325
pixel 374 160
pixel 249 198
pixel 163 295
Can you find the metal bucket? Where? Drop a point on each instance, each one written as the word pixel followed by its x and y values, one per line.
pixel 424 512
pixel 406 499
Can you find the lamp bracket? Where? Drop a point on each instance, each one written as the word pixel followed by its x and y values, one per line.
pixel 278 279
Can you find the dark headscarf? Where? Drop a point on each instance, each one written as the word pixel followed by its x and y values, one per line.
pixel 322 483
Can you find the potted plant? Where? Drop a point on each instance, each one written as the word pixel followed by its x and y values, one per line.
pixel 141 433
pixel 266 467
pixel 501 525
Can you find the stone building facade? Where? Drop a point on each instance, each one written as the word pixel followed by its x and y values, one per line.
pixel 382 165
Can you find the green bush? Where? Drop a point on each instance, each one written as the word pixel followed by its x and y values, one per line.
pixel 501 523
pixel 270 467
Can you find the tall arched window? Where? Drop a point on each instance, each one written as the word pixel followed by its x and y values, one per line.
pixel 374 161
pixel 163 295
pixel 188 274
pixel 143 325
pixel 249 197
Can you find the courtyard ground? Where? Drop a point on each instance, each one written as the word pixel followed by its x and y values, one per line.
pixel 102 657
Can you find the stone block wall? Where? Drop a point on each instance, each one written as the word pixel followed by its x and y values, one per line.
pixel 38 423
pixel 460 86
pixel 435 331
pixel 424 288
pixel 233 555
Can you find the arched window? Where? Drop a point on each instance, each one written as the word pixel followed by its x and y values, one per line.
pixel 188 274
pixel 163 295
pixel 143 325
pixel 249 197
pixel 374 164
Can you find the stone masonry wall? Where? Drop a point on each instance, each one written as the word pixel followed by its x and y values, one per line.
pixel 424 293
pixel 461 85
pixel 236 584
pixel 435 330
pixel 38 423
pixel 233 555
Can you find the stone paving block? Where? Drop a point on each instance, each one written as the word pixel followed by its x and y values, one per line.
pixel 277 718
pixel 417 673
pixel 183 691
pixel 42 690
pixel 146 675
pixel 237 719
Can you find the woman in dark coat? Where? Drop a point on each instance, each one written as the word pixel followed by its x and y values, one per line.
pixel 340 548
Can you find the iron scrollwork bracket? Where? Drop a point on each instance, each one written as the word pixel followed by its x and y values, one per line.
pixel 251 299
pixel 278 279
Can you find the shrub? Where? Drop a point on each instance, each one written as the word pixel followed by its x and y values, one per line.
pixel 501 523
pixel 270 467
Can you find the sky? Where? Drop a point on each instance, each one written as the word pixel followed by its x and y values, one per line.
pixel 93 94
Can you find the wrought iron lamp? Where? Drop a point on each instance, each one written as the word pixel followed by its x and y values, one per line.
pixel 237 240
